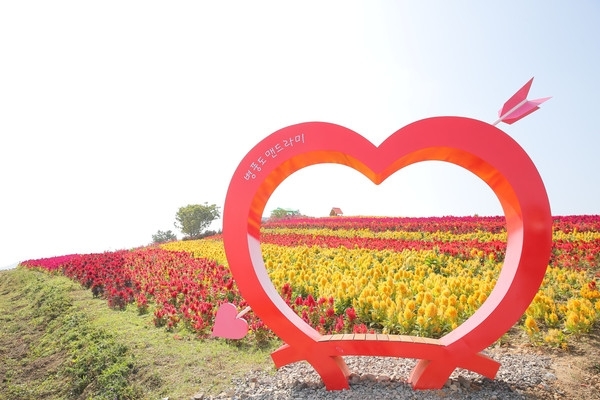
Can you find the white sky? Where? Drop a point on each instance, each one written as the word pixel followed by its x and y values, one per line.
pixel 114 114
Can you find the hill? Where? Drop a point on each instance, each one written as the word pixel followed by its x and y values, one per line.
pixel 136 324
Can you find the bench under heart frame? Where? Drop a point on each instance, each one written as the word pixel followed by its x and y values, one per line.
pixel 477 146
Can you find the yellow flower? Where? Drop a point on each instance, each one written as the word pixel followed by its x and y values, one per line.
pixel 482 298
pixel 471 301
pixel 531 326
pixel 402 288
pixel 420 297
pixel 428 297
pixel 556 337
pixel 572 321
pixel 452 300
pixel 443 301
pixel 324 281
pixel 551 319
pixel 588 293
pixel 451 313
pixel 408 314
pixel 574 304
pixel 431 310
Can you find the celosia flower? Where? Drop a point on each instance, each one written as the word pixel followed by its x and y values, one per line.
pixel 310 302
pixel 351 314
pixel 339 324
pixel 431 310
pixel 451 313
pixel 531 326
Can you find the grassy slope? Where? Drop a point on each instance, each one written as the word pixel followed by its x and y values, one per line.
pixel 58 342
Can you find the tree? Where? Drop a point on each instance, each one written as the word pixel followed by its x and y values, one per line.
pixel 194 218
pixel 280 213
pixel 161 237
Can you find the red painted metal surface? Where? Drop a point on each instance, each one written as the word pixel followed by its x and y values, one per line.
pixel 479 147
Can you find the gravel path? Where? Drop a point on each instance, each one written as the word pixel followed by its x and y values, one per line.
pixel 521 376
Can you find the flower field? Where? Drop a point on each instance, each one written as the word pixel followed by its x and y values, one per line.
pixel 416 276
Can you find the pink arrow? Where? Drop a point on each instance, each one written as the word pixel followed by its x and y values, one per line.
pixel 518 106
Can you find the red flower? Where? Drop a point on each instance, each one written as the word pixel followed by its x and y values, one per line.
pixel 286 289
pixel 339 325
pixel 351 314
pixel 310 302
pixel 305 316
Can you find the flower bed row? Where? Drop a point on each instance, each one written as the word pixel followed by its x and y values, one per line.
pixel 457 225
pixel 180 290
pixel 429 286
pixel 352 283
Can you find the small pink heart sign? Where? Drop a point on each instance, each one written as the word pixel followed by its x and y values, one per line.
pixel 228 323
pixel 479 147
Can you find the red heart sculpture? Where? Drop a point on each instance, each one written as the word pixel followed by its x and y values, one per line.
pixel 228 324
pixel 477 146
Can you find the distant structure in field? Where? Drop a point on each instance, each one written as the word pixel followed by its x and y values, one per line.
pixel 336 212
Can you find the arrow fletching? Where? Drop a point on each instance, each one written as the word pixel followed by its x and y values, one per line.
pixel 523 110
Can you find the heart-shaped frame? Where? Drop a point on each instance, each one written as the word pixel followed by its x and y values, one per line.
pixel 479 147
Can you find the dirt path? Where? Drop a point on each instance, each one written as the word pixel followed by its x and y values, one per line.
pixel 577 369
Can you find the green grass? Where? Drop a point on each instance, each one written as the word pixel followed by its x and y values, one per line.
pixel 58 342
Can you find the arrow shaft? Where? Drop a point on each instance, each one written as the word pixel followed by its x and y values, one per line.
pixel 243 312
pixel 515 108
